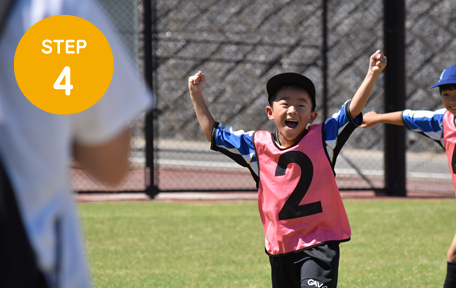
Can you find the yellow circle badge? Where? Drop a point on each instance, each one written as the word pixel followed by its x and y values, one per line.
pixel 63 64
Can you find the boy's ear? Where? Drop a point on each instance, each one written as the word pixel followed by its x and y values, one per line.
pixel 269 112
pixel 313 116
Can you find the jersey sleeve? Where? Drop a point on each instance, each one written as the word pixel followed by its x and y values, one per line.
pixel 238 145
pixel 427 123
pixel 337 129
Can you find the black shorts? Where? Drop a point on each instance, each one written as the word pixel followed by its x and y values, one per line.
pixel 311 268
pixel 18 266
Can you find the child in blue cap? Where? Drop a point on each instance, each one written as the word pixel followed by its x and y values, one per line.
pixel 438 125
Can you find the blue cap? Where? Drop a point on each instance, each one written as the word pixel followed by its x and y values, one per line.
pixel 448 76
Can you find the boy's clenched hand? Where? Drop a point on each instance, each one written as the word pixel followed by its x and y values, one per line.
pixel 369 119
pixel 377 62
pixel 196 83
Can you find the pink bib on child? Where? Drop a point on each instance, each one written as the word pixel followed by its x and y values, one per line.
pixel 298 199
pixel 449 136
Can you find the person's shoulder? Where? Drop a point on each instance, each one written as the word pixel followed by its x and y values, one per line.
pixel 423 114
pixel 441 111
pixel 230 130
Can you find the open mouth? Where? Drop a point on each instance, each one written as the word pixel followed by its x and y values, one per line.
pixel 291 124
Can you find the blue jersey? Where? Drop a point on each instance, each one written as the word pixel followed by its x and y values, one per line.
pixel 239 146
pixel 427 123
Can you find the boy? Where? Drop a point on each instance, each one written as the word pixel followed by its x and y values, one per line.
pixel 303 216
pixel 438 125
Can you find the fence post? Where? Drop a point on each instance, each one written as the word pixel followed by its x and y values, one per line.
pixel 394 99
pixel 151 188
pixel 325 58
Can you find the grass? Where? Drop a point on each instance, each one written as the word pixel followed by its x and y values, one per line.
pixel 397 243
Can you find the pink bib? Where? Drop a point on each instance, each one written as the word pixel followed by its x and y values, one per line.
pixel 449 136
pixel 298 199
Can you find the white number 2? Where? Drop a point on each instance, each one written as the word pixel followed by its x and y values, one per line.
pixel 67 87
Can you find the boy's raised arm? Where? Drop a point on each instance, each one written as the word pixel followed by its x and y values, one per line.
pixel 205 119
pixel 371 118
pixel 376 64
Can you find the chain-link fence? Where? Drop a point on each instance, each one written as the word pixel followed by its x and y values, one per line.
pixel 127 17
pixel 239 44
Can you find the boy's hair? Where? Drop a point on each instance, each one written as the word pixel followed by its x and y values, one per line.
pixel 447 87
pixel 290 80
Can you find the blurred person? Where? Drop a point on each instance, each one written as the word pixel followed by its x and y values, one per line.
pixel 41 244
pixel 439 126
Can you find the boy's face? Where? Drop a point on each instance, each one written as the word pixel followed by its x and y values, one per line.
pixel 291 111
pixel 449 100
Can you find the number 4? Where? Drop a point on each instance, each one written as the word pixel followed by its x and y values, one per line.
pixel 67 87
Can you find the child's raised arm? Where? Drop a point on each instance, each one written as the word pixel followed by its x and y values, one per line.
pixel 205 119
pixel 371 119
pixel 376 64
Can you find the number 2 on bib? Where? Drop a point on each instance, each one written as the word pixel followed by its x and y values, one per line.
pixel 291 209
pixel 66 73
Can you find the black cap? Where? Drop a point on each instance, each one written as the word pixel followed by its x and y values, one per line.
pixel 290 79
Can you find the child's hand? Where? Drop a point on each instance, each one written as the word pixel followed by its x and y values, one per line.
pixel 196 83
pixel 369 119
pixel 377 62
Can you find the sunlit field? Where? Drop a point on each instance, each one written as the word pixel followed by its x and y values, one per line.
pixel 395 243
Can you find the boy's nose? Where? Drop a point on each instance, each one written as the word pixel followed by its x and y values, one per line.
pixel 291 109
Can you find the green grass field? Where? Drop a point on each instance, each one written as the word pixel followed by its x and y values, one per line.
pixel 395 243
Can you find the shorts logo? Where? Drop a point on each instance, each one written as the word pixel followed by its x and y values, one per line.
pixel 315 283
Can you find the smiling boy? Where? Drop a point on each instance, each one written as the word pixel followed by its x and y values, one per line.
pixel 439 126
pixel 303 216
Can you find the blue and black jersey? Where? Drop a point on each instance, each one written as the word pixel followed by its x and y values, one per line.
pixel 239 146
pixel 427 123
